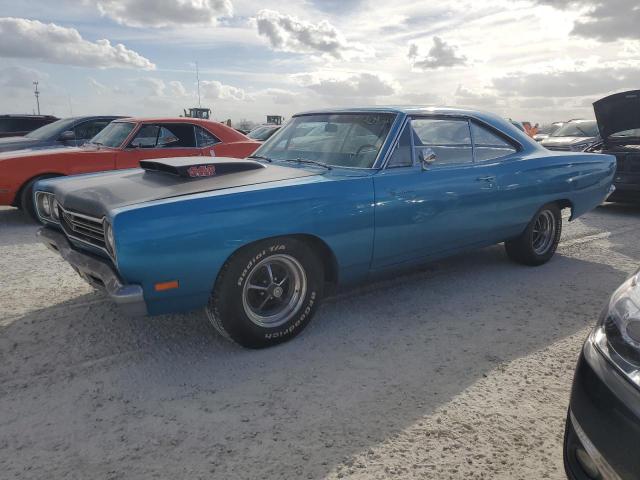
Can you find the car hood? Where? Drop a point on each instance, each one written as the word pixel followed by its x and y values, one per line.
pixel 38 152
pixel 555 141
pixel 617 113
pixel 96 194
pixel 16 143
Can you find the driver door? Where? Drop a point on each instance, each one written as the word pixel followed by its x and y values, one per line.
pixel 424 212
pixel 159 140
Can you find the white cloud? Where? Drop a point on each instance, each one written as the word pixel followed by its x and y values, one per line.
pixel 289 34
pixel 470 98
pixel 22 38
pixel 20 77
pixel 152 86
pixel 569 83
pixel 355 85
pixel 176 89
pixel 162 13
pixel 605 20
pixel 215 90
pixel 441 54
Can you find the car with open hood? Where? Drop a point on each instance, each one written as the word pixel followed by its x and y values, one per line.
pixel 573 136
pixel 121 144
pixel 68 132
pixel 334 198
pixel 618 119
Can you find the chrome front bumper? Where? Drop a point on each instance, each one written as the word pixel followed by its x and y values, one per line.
pixel 96 272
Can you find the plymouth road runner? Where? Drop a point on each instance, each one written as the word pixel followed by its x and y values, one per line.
pixel 333 198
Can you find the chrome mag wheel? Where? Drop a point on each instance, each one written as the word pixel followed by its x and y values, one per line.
pixel 274 290
pixel 544 232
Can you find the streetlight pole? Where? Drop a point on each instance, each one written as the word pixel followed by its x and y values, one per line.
pixel 37 94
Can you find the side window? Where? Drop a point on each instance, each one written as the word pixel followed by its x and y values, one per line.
pixel 204 138
pixel 146 137
pixel 488 145
pixel 401 156
pixel 170 135
pixel 166 138
pixel 450 140
pixel 88 130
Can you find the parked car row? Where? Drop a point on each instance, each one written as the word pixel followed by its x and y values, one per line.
pixel 119 144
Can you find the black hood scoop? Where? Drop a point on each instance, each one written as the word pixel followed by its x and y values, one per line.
pixel 198 167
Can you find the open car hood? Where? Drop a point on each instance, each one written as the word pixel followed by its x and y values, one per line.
pixel 95 194
pixel 617 113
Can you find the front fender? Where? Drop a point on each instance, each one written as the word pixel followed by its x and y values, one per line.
pixel 188 239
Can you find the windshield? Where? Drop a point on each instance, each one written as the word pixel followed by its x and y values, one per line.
pixel 587 128
pixel 53 130
pixel 262 133
pixel 549 129
pixel 113 134
pixel 345 140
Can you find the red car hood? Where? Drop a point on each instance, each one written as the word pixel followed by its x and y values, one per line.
pixel 48 151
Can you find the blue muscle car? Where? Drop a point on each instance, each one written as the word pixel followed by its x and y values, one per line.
pixel 334 198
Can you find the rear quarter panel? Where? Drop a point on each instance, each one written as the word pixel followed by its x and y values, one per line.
pixel 189 239
pixel 527 183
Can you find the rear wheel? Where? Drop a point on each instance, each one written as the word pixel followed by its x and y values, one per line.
pixel 266 293
pixel 537 244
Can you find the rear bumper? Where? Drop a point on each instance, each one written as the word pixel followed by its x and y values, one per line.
pixel 604 419
pixel 97 272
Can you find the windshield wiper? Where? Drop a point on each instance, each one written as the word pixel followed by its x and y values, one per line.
pixel 260 157
pixel 309 162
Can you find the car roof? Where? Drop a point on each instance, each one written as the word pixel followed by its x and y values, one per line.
pixel 485 117
pixel 410 110
pixel 26 115
pixel 168 120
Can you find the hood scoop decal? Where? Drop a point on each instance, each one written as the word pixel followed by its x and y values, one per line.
pixel 199 167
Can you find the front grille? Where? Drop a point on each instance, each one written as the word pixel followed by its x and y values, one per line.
pixel 83 227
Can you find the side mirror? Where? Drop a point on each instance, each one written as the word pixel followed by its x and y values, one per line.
pixel 427 157
pixel 67 136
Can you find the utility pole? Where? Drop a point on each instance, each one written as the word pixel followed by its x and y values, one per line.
pixel 198 80
pixel 37 94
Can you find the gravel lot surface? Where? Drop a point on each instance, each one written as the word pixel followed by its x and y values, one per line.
pixel 461 370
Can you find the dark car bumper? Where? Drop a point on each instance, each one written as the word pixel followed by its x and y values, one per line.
pixel 97 272
pixel 604 420
pixel 626 192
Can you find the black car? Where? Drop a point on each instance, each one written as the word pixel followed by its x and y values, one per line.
pixel 602 435
pixel 68 132
pixel 263 132
pixel 618 119
pixel 12 125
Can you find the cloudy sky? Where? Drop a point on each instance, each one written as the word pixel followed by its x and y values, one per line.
pixel 538 60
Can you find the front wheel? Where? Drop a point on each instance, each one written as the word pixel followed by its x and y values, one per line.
pixel 266 293
pixel 537 244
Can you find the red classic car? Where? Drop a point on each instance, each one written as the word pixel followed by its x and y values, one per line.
pixel 122 144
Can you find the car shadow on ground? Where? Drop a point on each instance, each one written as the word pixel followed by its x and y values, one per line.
pixel 88 392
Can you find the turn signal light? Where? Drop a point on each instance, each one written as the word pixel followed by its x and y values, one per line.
pixel 162 286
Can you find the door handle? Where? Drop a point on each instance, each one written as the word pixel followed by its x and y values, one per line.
pixel 488 178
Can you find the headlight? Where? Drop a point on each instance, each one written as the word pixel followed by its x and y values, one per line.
pixel 617 335
pixel 43 203
pixel 55 213
pixel 108 238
